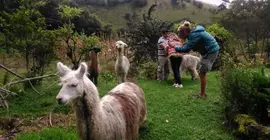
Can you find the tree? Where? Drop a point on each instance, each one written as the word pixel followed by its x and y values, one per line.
pixel 143 35
pixel 249 21
pixel 24 32
pixel 78 44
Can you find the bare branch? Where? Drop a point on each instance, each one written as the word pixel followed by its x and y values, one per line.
pixel 29 79
pixel 3 101
pixel 50 119
pixel 2 66
pixel 7 91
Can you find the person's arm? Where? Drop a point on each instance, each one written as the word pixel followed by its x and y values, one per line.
pixel 177 38
pixel 162 43
pixel 192 41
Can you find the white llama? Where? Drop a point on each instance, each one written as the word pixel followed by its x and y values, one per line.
pixel 190 63
pixel 122 63
pixel 117 116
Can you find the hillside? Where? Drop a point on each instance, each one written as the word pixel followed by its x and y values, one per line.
pixel 164 11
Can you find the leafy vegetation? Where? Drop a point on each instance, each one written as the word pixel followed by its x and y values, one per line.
pixel 249 21
pixel 78 44
pixel 143 36
pixel 246 92
pixel 225 41
pixel 24 32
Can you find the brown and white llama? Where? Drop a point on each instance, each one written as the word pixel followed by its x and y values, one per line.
pixel 92 62
pixel 116 116
pixel 122 63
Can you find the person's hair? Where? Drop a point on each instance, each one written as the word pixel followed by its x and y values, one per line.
pixel 184 27
pixel 164 30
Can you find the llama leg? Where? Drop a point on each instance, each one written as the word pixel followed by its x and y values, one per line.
pixel 192 73
pixel 181 71
pixel 95 79
pixel 123 78
pixel 119 79
pixel 195 73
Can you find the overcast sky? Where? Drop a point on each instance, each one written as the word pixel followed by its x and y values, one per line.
pixel 215 2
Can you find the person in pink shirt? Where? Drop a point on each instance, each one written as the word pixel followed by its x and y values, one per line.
pixel 175 58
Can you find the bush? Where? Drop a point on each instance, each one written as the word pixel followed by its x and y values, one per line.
pixel 224 39
pixel 246 92
pixel 148 70
pixel 143 35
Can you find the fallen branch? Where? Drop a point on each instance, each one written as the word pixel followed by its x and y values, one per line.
pixel 29 79
pixel 4 103
pixel 2 66
pixel 8 92
pixel 50 119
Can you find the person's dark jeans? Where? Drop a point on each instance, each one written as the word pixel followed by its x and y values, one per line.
pixel 175 63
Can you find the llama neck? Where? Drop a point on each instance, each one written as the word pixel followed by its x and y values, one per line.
pixel 93 58
pixel 121 52
pixel 85 109
pixel 120 56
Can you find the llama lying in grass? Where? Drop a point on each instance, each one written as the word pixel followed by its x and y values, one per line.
pixel 190 63
pixel 122 63
pixel 92 63
pixel 117 116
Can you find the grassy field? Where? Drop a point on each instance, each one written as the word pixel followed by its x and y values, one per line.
pixel 164 11
pixel 188 118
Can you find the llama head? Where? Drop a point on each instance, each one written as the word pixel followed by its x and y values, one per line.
pixel 96 49
pixel 71 82
pixel 120 45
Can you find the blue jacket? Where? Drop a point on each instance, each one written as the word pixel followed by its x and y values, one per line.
pixel 200 41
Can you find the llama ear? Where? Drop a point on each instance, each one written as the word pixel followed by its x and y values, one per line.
pixel 125 45
pixel 82 70
pixel 62 69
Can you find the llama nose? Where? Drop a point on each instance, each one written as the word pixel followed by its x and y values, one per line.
pixel 60 101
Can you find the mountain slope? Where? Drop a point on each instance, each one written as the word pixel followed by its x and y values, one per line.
pixel 164 11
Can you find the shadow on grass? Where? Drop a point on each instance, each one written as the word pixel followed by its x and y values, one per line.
pixel 145 130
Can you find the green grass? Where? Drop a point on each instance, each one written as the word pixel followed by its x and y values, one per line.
pixel 164 11
pixel 188 118
pixel 50 134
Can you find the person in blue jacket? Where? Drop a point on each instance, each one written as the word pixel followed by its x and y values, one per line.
pixel 200 41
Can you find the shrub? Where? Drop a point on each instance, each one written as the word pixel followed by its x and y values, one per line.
pixel 246 92
pixel 148 70
pixel 224 39
pixel 143 35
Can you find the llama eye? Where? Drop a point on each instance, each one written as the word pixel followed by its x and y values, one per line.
pixel 73 85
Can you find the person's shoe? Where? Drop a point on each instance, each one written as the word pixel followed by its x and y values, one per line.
pixel 198 95
pixel 179 86
pixel 174 84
